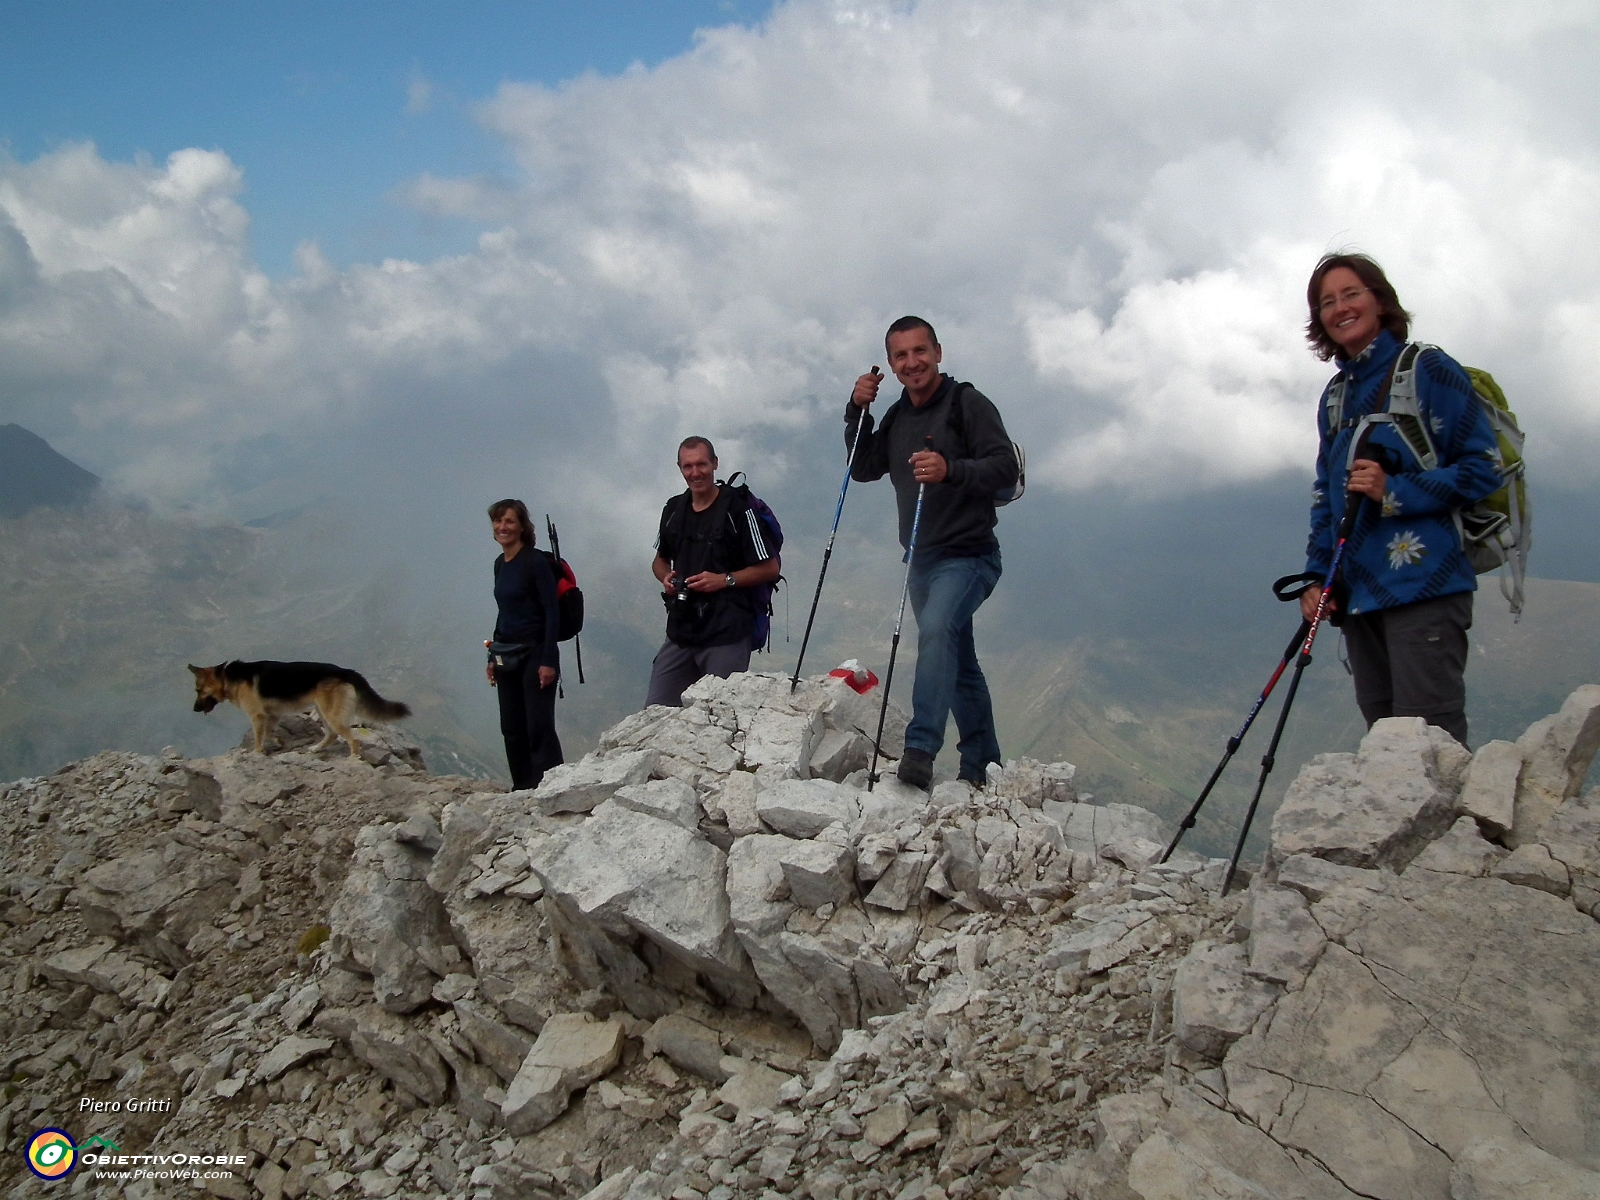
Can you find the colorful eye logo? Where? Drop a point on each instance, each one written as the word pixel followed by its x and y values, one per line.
pixel 51 1154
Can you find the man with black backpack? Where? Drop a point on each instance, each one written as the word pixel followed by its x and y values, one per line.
pixel 944 441
pixel 716 557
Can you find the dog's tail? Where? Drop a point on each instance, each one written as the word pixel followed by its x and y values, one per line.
pixel 373 705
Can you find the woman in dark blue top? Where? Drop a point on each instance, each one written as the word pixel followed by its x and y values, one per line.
pixel 525 662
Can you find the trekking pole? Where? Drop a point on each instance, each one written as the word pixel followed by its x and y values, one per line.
pixel 555 548
pixel 1233 743
pixel 894 645
pixel 1352 509
pixel 828 552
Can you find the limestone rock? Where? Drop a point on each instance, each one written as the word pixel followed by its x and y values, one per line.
pixel 1316 878
pixel 803 808
pixel 738 804
pixel 499 1047
pixel 573 1051
pixel 1461 851
pixel 158 898
pixel 1089 828
pixel 1502 1169
pixel 1556 753
pixel 751 1086
pixel 584 785
pixel 1284 940
pixel 687 1043
pixel 101 967
pixel 390 1046
pixel 818 873
pixel 884 1124
pixel 839 752
pixel 1530 865
pixel 464 832
pixel 1034 782
pixel 1378 807
pixel 776 738
pixel 1214 1001
pixel 669 799
pixel 622 876
pixel 1489 791
pixel 1572 836
pixel 290 1052
pixel 901 885
pixel 388 923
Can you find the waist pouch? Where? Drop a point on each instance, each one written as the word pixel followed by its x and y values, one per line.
pixel 510 656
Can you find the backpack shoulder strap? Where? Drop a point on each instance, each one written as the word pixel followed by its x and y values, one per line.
pixel 1333 405
pixel 1405 410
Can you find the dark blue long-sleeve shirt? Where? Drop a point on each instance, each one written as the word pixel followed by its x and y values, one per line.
pixel 525 590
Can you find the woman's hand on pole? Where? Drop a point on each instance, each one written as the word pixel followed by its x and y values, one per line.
pixel 547 676
pixel 1309 600
pixel 1367 478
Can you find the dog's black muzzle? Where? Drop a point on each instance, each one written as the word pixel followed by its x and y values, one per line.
pixel 205 704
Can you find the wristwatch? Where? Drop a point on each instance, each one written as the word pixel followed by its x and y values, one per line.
pixel 730 580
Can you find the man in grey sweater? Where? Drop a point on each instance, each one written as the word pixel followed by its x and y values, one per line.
pixel 947 437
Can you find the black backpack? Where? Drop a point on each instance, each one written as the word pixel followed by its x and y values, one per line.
pixel 956 420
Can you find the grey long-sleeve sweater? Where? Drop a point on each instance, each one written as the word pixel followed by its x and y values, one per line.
pixel 958 515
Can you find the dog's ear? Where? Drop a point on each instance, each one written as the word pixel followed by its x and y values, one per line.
pixel 198 671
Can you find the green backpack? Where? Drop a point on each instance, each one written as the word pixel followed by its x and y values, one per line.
pixel 1497 531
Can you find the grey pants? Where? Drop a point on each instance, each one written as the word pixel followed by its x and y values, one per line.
pixel 1411 661
pixel 676 667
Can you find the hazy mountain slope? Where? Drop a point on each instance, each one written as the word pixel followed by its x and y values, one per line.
pixel 33 474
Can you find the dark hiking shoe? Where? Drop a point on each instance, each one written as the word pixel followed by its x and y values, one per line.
pixel 916 768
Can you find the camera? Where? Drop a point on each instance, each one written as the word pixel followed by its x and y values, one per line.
pixel 680 590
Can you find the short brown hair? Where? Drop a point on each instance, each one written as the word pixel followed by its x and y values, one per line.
pixel 499 509
pixel 905 325
pixel 1390 315
pixel 693 440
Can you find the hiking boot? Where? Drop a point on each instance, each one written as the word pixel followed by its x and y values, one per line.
pixel 916 768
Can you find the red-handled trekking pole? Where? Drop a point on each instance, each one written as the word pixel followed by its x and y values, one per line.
pixel 1352 509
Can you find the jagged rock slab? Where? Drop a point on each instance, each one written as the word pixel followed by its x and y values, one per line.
pixel 1530 865
pixel 389 924
pixel 1378 807
pixel 1572 836
pixel 499 1047
pixel 1089 828
pixel 1449 1011
pixel 622 876
pixel 1215 1001
pixel 839 752
pixel 667 799
pixel 775 738
pixel 393 1047
pixel 1556 753
pixel 158 898
pixel 290 1053
pixel 1461 851
pixel 1500 1169
pixel 584 785
pixel 105 970
pixel 803 808
pixel 818 873
pixel 1284 939
pixel 1035 782
pixel 573 1051
pixel 1489 789
pixel 687 1043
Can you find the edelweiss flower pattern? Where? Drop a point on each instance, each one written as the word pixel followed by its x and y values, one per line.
pixel 1391 505
pixel 1404 549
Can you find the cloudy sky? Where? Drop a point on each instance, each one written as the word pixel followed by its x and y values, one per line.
pixel 423 258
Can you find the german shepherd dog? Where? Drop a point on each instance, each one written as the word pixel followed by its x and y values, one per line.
pixel 265 690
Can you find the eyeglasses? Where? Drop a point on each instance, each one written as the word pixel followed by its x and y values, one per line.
pixel 1346 297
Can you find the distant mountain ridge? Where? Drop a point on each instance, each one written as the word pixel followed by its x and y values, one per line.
pixel 33 475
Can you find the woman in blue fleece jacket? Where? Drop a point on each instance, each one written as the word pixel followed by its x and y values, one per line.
pixel 1409 600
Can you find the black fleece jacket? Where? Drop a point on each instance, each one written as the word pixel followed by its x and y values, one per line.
pixel 958 516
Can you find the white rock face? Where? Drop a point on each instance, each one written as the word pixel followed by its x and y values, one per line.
pixel 668 799
pixel 803 808
pixel 583 785
pixel 1215 1001
pixel 573 1051
pixel 1489 790
pixel 1378 807
pixel 1556 753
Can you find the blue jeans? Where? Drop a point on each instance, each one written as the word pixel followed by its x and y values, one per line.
pixel 945 593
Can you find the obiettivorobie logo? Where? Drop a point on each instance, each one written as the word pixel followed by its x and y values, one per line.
pixel 52 1153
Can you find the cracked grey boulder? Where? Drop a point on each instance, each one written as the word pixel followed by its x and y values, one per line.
pixel 1284 940
pixel 776 738
pixel 1502 1169
pixel 818 873
pixel 839 752
pixel 499 1047
pixel 1556 753
pixel 1531 866
pixel 1214 1000
pixel 1572 836
pixel 669 799
pixel 157 898
pixel 582 786
pixel 901 885
pixel 1489 789
pixel 1035 782
pixel 1461 851
pixel 621 880
pixel 392 1047
pixel 803 808
pixel 687 1043
pixel 1378 807
pixel 389 924
pixel 1090 828
pixel 573 1051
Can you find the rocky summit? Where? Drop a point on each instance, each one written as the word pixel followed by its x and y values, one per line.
pixel 706 961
